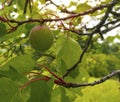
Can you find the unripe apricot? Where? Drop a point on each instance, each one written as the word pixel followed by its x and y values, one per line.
pixel 41 38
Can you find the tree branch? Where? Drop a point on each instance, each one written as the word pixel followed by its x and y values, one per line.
pixel 25 8
pixel 92 10
pixel 103 79
pixel 96 30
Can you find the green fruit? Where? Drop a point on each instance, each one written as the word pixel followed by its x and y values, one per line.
pixel 41 38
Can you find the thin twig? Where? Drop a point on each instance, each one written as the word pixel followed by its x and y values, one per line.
pixel 45 67
pixel 34 80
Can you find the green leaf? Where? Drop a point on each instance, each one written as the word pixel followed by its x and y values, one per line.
pixel 6 10
pixel 74 73
pixel 42 1
pixel 17 98
pixel 59 95
pixel 22 64
pixel 22 96
pixel 21 4
pixel 72 94
pixel 110 39
pixel 82 75
pixel 72 3
pixel 62 66
pixel 2 1
pixel 96 13
pixel 21 29
pixel 106 1
pixel 2 29
pixel 41 91
pixel 11 73
pixel 69 52
pixel 7 89
pixel 82 7
pixel 28 27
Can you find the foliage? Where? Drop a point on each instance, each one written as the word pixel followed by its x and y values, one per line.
pixel 104 57
pixel 58 74
pixel 101 64
pixel 102 93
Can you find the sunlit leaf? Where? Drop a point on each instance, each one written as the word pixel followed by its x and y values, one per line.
pixel 42 1
pixel 106 1
pixel 72 3
pixel 83 7
pixel 69 52
pixel 6 10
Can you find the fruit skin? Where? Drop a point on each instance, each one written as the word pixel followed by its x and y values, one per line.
pixel 41 38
